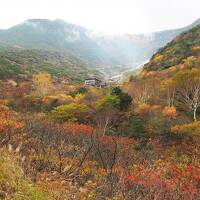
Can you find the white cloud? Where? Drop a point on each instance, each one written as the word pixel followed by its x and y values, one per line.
pixel 112 16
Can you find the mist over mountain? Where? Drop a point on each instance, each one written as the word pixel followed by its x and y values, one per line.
pixel 54 35
pixel 111 54
pixel 136 49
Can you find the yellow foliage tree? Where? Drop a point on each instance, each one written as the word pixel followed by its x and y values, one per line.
pixel 192 130
pixel 79 97
pixel 188 90
pixel 43 83
pixel 158 58
pixel 169 88
pixel 144 109
pixel 70 112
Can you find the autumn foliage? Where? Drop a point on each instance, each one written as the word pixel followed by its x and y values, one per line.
pixel 74 128
pixel 8 120
pixel 170 112
pixel 138 141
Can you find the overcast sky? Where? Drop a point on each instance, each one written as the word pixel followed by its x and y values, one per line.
pixel 109 16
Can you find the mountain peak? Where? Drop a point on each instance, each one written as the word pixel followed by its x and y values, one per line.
pixel 58 22
pixel 61 21
pixel 36 21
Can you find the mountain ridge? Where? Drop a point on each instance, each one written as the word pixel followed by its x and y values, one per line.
pixel 110 54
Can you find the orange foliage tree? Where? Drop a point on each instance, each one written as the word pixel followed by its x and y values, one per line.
pixel 170 112
pixel 8 123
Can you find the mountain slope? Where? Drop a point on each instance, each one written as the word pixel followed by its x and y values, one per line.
pixel 185 46
pixel 13 64
pixel 109 54
pixel 54 35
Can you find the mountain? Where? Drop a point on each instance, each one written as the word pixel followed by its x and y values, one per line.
pixel 185 47
pixel 54 35
pixel 134 50
pixel 106 53
pixel 20 63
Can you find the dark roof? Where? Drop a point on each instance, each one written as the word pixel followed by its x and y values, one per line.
pixel 92 79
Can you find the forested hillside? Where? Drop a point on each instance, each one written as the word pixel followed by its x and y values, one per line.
pixel 110 53
pixel 23 63
pixel 185 48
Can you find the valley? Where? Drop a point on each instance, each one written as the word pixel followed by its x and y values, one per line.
pixel 111 54
pixel 65 135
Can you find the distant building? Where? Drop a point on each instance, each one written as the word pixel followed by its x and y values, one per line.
pixel 94 82
pixel 114 80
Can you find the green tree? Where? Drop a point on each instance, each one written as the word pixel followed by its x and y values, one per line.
pixel 124 99
pixel 80 90
pixel 137 126
pixel 109 102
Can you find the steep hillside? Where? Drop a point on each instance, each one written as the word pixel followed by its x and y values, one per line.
pixel 16 63
pixel 185 48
